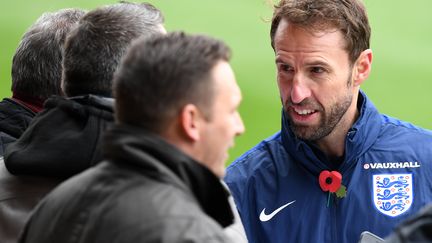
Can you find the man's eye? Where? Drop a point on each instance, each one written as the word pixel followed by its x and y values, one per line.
pixel 284 67
pixel 317 70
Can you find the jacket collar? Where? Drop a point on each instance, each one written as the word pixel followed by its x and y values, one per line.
pixel 99 102
pixel 35 104
pixel 14 118
pixel 359 139
pixel 155 157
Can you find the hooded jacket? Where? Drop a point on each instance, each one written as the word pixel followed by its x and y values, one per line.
pixel 387 170
pixel 61 141
pixel 14 119
pixel 64 139
pixel 146 191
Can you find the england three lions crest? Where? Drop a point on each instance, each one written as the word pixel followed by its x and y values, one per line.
pixel 392 193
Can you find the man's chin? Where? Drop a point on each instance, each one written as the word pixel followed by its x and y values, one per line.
pixel 305 133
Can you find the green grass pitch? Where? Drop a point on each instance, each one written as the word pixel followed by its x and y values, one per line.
pixel 400 83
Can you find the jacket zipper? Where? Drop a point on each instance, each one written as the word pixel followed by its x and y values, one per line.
pixel 333 209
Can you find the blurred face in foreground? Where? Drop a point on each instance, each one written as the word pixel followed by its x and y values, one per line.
pixel 218 132
pixel 316 80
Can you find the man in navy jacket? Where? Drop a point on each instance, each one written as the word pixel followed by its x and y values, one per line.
pixel 337 167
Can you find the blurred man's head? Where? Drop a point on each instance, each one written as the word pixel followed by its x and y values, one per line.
pixel 94 49
pixel 36 65
pixel 182 88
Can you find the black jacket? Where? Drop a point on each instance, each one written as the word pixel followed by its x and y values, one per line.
pixel 14 120
pixel 61 141
pixel 146 191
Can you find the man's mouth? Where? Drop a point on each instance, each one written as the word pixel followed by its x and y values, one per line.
pixel 303 112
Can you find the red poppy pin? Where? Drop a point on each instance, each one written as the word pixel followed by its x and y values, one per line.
pixel 331 181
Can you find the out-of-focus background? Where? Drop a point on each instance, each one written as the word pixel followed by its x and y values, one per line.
pixel 400 83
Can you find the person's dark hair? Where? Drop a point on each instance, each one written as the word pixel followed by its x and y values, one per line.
pixel 348 16
pixel 94 49
pixel 36 65
pixel 160 75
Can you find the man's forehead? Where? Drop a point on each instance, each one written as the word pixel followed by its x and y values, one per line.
pixel 294 34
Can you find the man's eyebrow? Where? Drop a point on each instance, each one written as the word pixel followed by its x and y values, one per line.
pixel 279 60
pixel 317 63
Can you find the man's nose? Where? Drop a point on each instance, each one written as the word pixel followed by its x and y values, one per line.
pixel 300 91
pixel 240 125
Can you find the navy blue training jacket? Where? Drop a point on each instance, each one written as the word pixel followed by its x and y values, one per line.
pixel 387 170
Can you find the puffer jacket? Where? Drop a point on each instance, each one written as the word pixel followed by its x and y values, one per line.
pixel 145 191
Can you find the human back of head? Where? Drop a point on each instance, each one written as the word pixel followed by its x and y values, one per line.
pixel 94 49
pixel 347 16
pixel 161 75
pixel 36 65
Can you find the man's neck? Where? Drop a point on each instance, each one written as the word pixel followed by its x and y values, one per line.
pixel 33 103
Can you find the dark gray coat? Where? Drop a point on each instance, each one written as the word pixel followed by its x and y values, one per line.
pixel 146 191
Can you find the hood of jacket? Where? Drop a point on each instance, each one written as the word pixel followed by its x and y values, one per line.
pixel 153 156
pixel 63 139
pixel 360 137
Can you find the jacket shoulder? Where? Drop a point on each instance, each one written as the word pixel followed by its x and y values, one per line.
pixel 258 159
pixel 109 204
pixel 149 210
pixel 254 158
pixel 394 127
pixel 400 140
pixel 169 213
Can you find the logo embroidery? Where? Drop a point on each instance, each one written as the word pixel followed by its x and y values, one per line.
pixel 392 193
pixel 391 165
pixel 266 217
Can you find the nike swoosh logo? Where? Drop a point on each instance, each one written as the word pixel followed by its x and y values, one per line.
pixel 266 217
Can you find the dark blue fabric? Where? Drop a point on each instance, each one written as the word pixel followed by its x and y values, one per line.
pixel 283 169
pixel 14 120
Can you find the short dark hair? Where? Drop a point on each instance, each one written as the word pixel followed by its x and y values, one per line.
pixel 94 49
pixel 36 65
pixel 348 16
pixel 160 75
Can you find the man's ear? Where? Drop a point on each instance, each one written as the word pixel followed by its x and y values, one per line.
pixel 190 121
pixel 362 67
